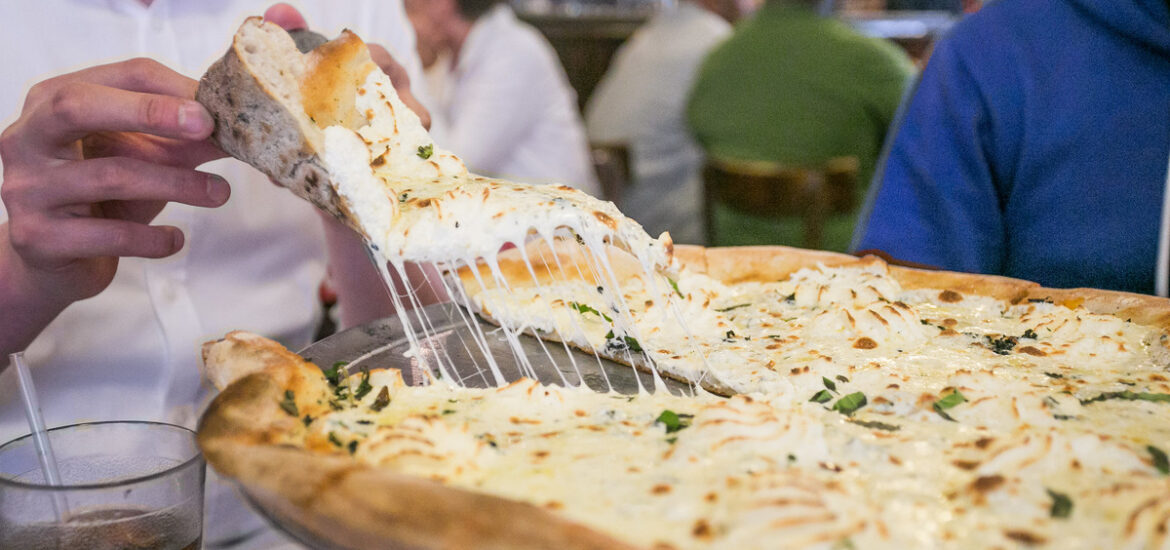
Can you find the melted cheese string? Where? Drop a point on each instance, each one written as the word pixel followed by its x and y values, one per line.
pixel 418 203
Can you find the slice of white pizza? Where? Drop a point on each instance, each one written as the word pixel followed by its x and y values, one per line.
pixel 330 126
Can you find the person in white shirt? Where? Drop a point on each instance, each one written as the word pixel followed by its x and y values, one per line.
pixel 502 94
pixel 640 103
pixel 113 265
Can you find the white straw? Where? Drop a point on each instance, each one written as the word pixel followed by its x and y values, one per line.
pixel 36 423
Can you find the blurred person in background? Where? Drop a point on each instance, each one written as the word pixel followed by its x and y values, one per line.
pixel 793 87
pixel 640 103
pixel 500 93
pixel 1035 146
pixel 117 257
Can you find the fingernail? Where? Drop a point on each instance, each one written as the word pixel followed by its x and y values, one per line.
pixel 177 239
pixel 194 119
pixel 218 189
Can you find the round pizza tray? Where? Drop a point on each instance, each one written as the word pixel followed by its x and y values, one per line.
pixel 453 341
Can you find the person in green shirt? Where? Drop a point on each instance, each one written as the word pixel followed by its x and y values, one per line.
pixel 793 87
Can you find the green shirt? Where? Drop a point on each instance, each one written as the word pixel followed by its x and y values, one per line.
pixel 793 87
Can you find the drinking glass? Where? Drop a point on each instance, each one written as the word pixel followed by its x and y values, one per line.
pixel 124 485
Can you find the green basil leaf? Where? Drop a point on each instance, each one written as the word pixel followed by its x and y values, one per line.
pixel 289 403
pixel 633 344
pixel 333 374
pixel 822 396
pixel 737 306
pixel 875 425
pixel 364 386
pixel 947 402
pixel 1061 505
pixel 673 421
pixel 1128 395
pixel 583 309
pixel 850 403
pixel 381 400
pixel 624 343
pixel 1161 463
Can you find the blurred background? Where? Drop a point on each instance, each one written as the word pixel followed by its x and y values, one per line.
pixel 587 33
pixel 725 122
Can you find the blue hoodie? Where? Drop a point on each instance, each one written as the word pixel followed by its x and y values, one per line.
pixel 1035 146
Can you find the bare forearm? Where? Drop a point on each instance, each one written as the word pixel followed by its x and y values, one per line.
pixel 362 294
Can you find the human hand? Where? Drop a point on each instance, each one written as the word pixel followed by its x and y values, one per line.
pixel 94 156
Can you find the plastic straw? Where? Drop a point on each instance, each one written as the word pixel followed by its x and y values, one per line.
pixel 36 423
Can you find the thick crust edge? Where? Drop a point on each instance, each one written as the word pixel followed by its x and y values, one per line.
pixel 245 435
pixel 771 263
pixel 254 126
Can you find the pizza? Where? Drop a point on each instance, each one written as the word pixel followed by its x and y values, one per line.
pixel 837 402
pixel 329 126
pixel 1039 419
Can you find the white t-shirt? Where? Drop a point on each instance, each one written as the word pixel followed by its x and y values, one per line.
pixel 508 108
pixel 641 102
pixel 132 352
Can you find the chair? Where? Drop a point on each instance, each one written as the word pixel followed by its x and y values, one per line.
pixel 773 190
pixel 611 161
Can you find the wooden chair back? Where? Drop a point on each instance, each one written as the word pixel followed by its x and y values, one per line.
pixel 773 190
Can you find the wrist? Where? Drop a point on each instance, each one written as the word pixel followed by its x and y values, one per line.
pixel 28 306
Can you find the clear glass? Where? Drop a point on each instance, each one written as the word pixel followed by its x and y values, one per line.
pixel 125 485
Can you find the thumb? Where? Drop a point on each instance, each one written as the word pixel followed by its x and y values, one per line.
pixel 286 16
pixel 401 81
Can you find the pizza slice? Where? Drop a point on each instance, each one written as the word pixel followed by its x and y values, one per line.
pixel 775 320
pixel 329 126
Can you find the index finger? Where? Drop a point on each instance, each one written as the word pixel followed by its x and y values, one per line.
pixel 82 108
pixel 393 69
pixel 136 75
pixel 286 16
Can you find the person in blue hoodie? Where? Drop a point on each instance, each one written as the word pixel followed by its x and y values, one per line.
pixel 1035 146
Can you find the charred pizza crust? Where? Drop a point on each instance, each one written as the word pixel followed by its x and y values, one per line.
pixel 270 103
pixel 771 263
